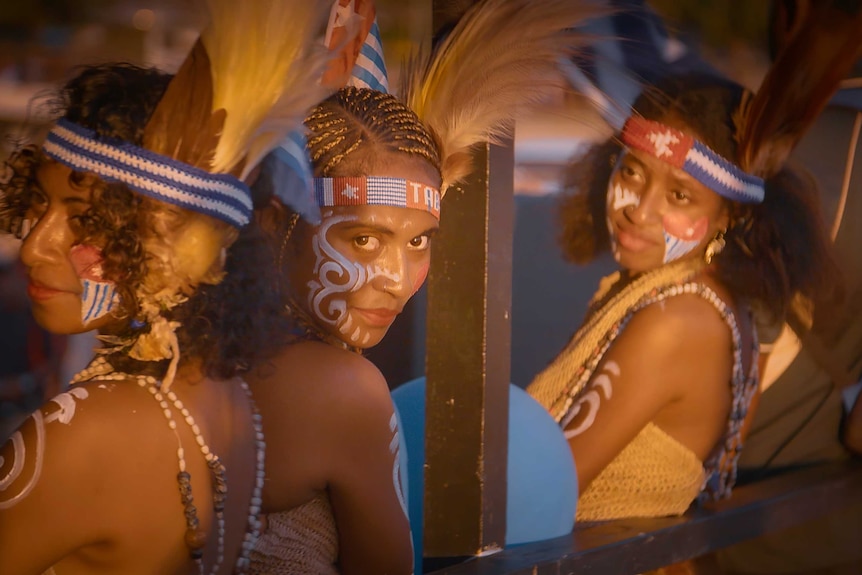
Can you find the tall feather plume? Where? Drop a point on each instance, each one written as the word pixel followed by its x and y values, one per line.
pixel 799 84
pixel 264 72
pixel 193 140
pixel 501 57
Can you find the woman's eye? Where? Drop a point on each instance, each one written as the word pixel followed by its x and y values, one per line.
pixel 366 243
pixel 628 172
pixel 679 196
pixel 420 242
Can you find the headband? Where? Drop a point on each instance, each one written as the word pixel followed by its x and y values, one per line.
pixel 688 154
pixel 377 191
pixel 222 196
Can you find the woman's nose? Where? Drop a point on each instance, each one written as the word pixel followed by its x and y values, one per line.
pixel 45 242
pixel 647 210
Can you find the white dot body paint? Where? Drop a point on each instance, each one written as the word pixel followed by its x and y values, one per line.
pixel 67 403
pixel 592 399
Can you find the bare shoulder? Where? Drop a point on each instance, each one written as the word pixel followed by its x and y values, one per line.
pixel 684 323
pixel 77 454
pixel 320 377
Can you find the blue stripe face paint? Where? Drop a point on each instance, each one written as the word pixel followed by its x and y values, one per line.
pixel 98 296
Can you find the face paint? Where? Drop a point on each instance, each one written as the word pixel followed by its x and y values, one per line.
pixel 98 296
pixel 619 198
pixel 394 449
pixel 681 235
pixel 334 275
pixel 592 398
pixel 19 463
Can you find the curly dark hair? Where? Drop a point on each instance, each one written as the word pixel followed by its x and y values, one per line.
pixel 774 250
pixel 228 327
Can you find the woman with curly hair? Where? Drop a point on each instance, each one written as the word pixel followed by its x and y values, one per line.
pixel 695 202
pixel 136 222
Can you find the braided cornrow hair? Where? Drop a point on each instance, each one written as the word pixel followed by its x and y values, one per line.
pixel 352 127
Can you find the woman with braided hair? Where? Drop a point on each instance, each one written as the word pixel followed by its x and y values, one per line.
pixel 136 222
pixel 380 166
pixel 695 202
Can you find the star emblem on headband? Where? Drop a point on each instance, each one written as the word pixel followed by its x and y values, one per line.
pixel 349 191
pixel 662 142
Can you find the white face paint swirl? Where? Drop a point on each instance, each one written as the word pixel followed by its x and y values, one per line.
pixel 19 463
pixel 592 398
pixel 335 277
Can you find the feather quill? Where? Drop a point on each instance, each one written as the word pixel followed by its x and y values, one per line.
pixel 500 58
pixel 264 75
pixel 799 84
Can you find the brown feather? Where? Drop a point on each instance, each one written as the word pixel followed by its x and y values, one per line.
pixel 798 85
pixel 183 125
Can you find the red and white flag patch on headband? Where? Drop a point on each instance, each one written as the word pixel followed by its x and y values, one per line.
pixel 663 142
pixel 377 191
pixel 694 157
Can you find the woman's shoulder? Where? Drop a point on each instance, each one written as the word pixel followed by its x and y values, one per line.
pixel 692 320
pixel 312 373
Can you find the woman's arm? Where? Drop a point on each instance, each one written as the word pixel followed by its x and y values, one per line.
pixel 93 468
pixel 49 485
pixel 671 366
pixel 367 497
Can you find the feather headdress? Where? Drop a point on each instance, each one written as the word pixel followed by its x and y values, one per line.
pixel 501 57
pixel 249 80
pixel 806 73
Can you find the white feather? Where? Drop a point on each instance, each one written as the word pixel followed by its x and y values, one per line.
pixel 266 66
pixel 500 58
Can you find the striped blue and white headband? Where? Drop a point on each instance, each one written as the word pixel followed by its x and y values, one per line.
pixel 693 157
pixel 222 196
pixel 377 191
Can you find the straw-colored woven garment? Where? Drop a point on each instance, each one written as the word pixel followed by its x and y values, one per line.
pixel 302 541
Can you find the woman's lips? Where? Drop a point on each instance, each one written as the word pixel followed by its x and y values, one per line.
pixel 380 317
pixel 40 292
pixel 632 242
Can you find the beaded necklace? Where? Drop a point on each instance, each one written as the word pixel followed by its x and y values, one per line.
pixel 195 538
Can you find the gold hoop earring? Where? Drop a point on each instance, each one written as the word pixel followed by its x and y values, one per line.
pixel 714 247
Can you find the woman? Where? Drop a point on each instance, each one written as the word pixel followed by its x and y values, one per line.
pixel 381 166
pixel 653 389
pixel 136 222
